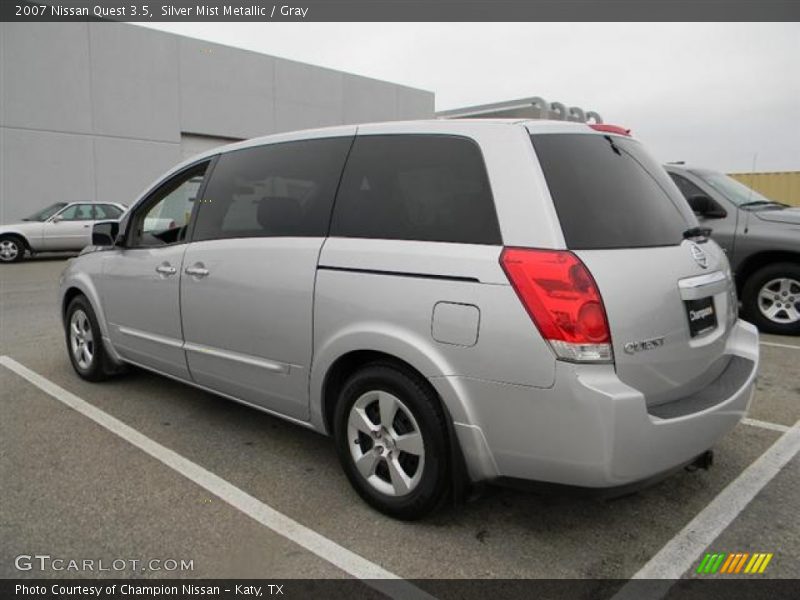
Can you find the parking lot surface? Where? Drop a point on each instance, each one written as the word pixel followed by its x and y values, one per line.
pixel 72 488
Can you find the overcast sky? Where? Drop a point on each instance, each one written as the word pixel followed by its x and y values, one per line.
pixel 721 95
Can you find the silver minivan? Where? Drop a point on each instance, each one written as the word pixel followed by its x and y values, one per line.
pixel 452 301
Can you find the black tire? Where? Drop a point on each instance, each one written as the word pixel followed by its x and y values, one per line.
pixel 100 367
pixel 750 298
pixel 416 396
pixel 12 248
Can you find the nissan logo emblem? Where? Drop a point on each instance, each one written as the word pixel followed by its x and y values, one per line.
pixel 699 256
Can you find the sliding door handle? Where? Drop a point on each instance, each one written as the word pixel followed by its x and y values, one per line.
pixel 166 269
pixel 197 270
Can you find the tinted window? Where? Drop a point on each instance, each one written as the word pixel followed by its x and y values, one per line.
pixel 416 187
pixel 106 211
pixel 271 191
pixel 609 193
pixel 687 188
pixel 46 213
pixel 164 217
pixel 77 212
pixel 733 190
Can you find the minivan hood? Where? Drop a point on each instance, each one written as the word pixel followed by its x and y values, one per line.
pixel 786 215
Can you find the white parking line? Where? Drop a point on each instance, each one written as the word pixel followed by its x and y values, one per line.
pixel 374 575
pixel 766 425
pixel 777 345
pixel 682 551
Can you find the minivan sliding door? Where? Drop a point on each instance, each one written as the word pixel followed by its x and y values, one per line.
pixel 248 280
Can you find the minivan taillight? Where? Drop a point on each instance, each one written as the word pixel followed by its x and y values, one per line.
pixel 562 298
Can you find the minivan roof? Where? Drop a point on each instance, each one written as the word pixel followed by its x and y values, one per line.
pixel 426 125
pixel 431 126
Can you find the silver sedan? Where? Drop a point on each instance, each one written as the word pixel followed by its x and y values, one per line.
pixel 61 227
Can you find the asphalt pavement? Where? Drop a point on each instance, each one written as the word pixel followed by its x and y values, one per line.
pixel 72 488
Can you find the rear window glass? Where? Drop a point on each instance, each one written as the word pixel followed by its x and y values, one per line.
pixel 416 187
pixel 609 193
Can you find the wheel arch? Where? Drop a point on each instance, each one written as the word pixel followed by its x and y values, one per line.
pixel 351 351
pixel 20 236
pixel 759 260
pixel 81 284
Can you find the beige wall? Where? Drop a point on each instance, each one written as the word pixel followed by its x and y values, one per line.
pixel 781 187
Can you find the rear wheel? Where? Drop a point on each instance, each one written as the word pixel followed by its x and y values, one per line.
pixel 391 439
pixel 771 298
pixel 12 249
pixel 85 342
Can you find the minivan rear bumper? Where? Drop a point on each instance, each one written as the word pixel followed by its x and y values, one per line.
pixel 592 430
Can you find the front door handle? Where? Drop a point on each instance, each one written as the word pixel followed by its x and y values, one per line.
pixel 166 269
pixel 197 270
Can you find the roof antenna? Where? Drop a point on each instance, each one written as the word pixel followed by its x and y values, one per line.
pixel 750 193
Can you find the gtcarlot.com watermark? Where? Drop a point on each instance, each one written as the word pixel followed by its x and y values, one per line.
pixel 47 563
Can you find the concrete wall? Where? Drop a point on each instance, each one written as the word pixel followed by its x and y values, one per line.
pixel 98 110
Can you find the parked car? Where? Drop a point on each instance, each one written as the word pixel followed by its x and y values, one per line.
pixel 761 238
pixel 63 226
pixel 452 301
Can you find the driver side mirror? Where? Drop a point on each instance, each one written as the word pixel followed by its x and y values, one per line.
pixel 105 233
pixel 57 219
pixel 704 206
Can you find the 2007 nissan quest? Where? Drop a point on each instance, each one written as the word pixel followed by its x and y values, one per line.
pixel 452 301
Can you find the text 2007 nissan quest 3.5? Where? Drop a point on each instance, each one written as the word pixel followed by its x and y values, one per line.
pixel 452 301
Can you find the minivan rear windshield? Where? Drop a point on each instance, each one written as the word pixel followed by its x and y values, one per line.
pixel 609 193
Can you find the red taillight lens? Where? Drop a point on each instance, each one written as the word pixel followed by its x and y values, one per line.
pixel 562 298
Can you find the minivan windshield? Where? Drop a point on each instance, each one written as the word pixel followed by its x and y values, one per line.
pixel 46 213
pixel 733 190
pixel 609 193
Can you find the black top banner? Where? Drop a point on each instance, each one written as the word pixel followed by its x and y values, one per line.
pixel 400 10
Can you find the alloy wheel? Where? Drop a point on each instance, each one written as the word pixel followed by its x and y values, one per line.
pixel 779 300
pixel 81 339
pixel 386 443
pixel 9 250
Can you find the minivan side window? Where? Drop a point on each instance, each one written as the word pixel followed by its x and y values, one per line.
pixel 164 217
pixel 276 190
pixel 421 187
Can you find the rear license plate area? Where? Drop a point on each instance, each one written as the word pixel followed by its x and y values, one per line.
pixel 702 315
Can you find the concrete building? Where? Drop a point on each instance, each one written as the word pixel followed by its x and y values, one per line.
pixel 99 110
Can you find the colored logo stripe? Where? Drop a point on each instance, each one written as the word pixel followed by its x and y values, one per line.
pixel 711 563
pixel 758 563
pixel 734 562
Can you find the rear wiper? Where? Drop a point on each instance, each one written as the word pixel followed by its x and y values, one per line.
pixel 699 233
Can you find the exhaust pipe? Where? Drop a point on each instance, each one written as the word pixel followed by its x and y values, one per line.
pixel 703 461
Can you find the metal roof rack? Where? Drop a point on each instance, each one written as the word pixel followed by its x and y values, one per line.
pixel 524 108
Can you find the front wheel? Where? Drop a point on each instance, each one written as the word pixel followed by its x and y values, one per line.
pixel 391 438
pixel 85 342
pixel 12 249
pixel 771 298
